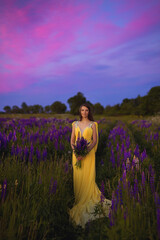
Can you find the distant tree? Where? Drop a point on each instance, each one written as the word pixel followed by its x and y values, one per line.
pixel 16 109
pixel 137 101
pixel 75 102
pixel 7 109
pixel 126 107
pixel 107 109
pixel 24 108
pixel 30 109
pixel 116 110
pixel 58 107
pixel 98 108
pixel 153 100
pixel 47 109
pixel 125 100
pixel 112 110
pixel 36 108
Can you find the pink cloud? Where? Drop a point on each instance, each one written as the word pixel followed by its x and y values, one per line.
pixel 31 48
pixel 75 33
pixel 113 35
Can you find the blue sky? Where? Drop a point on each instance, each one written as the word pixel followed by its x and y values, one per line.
pixel 51 50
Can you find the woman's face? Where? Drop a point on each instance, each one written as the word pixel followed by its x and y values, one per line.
pixel 84 112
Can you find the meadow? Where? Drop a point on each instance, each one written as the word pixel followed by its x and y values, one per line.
pixel 36 178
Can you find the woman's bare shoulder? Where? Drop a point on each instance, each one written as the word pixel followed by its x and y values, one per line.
pixel 74 123
pixel 93 124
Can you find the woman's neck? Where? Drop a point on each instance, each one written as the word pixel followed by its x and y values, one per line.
pixel 85 120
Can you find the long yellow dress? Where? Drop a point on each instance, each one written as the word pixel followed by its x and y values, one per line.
pixel 86 191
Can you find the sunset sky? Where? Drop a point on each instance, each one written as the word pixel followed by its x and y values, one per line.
pixel 51 49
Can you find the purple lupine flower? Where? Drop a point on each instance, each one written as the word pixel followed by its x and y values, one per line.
pixel 117 148
pixel 109 144
pixel 128 142
pixel 115 201
pixel 56 144
pixel 118 159
pixel 102 191
pixel 136 151
pixel 157 199
pixel 5 140
pixel 117 196
pixel 102 162
pixel 125 154
pixel 122 147
pixel 112 159
pixel 38 154
pixel 146 136
pixel 80 149
pixel 120 193
pixel 61 146
pixel 152 178
pixel 46 139
pixel 44 154
pixel 32 148
pixel 10 136
pixel 143 179
pixel 41 139
pixel 53 186
pixel 143 155
pixel 14 136
pixel 124 178
pixel 135 188
pixel 156 136
pixel 26 151
pixel 17 150
pixel 123 166
pixel 51 137
pixel 111 219
pixel 128 154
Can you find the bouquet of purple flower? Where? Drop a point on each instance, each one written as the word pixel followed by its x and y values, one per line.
pixel 80 149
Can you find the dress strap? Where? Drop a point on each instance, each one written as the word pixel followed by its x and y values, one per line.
pixel 91 124
pixel 76 123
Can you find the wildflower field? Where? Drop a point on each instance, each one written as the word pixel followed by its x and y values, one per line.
pixel 36 181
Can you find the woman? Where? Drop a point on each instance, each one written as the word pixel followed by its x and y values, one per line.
pixel 86 191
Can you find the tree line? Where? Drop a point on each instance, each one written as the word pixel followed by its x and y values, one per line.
pixel 146 105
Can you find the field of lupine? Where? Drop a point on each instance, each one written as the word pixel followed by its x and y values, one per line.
pixel 36 183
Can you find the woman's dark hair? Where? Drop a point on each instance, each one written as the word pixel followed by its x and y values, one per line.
pixel 90 117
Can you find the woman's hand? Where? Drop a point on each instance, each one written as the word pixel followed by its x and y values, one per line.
pixel 89 149
pixel 72 146
pixel 79 158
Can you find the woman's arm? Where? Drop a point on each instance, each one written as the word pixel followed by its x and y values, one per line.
pixel 72 141
pixel 94 138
